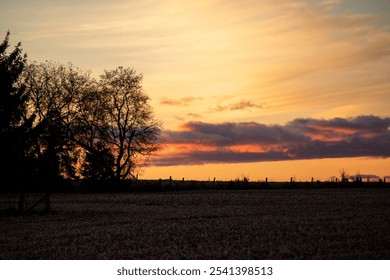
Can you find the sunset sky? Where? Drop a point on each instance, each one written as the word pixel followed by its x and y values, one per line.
pixel 252 88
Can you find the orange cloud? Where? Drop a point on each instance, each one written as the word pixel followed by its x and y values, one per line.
pixel 200 142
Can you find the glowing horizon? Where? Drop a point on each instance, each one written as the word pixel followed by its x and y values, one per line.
pixel 275 171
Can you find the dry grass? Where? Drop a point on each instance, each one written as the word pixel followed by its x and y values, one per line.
pixel 206 224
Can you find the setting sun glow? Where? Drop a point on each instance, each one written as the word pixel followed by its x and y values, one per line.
pixel 256 88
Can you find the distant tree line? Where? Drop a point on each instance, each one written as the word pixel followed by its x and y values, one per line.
pixel 57 122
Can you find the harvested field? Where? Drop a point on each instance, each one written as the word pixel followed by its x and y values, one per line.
pixel 205 224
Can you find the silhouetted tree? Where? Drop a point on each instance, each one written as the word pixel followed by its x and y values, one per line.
pixel 130 129
pixel 14 126
pixel 57 122
pixel 55 91
pixel 17 134
pixel 98 164
pixel 96 129
pixel 344 175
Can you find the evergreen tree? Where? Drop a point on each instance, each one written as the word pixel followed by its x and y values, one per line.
pixel 99 164
pixel 15 127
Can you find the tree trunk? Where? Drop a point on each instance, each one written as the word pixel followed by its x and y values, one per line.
pixel 22 198
pixel 47 202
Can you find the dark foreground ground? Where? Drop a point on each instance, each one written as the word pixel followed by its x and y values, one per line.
pixel 205 224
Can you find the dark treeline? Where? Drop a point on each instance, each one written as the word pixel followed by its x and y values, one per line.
pixel 59 124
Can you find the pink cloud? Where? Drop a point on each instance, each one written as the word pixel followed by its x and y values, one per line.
pixel 254 142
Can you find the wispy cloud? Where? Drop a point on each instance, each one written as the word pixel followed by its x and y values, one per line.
pixel 240 105
pixel 288 54
pixel 198 142
pixel 185 101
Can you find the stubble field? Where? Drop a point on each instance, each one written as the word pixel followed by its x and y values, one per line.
pixel 205 224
